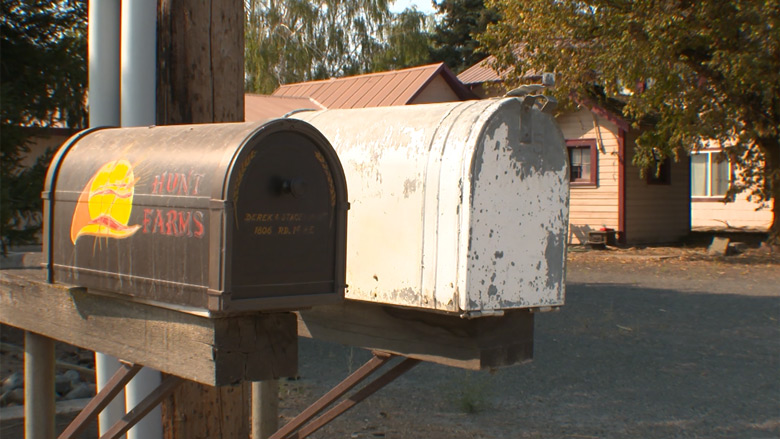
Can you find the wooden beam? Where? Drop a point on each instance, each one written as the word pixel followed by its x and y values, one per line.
pixel 213 351
pixel 477 344
pixel 200 79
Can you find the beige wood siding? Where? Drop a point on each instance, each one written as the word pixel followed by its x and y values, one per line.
pixel 741 214
pixel 656 213
pixel 592 208
pixel 438 90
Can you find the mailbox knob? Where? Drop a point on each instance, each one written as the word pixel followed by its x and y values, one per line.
pixel 294 186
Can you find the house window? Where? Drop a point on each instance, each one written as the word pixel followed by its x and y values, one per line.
pixel 660 174
pixel 709 178
pixel 583 161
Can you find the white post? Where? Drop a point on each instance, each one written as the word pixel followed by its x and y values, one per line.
pixel 103 60
pixel 138 96
pixel 265 408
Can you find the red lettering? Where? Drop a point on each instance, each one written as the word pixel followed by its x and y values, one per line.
pixel 184 187
pixel 171 228
pixel 147 219
pixel 197 219
pixel 172 180
pixel 157 186
pixel 185 218
pixel 196 189
pixel 159 223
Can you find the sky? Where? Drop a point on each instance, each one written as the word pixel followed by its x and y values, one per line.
pixel 425 6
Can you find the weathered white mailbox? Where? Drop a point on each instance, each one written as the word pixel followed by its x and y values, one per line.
pixel 457 207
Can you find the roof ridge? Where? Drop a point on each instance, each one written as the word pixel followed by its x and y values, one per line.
pixel 435 67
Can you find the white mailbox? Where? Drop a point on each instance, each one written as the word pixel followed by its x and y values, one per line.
pixel 458 207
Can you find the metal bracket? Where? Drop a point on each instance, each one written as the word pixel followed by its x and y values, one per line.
pixel 117 382
pixel 297 427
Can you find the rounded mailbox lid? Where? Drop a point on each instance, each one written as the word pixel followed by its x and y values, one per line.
pixel 289 197
pixel 228 217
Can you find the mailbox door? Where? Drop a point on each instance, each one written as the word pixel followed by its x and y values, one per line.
pixel 288 228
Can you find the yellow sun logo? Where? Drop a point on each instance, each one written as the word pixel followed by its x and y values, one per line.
pixel 104 206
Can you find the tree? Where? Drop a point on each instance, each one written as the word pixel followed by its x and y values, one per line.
pixel 301 40
pixel 454 37
pixel 407 42
pixel 43 84
pixel 695 71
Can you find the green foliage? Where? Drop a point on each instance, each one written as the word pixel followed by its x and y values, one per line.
pixel 300 40
pixel 407 43
pixel 454 41
pixel 470 392
pixel 43 83
pixel 696 71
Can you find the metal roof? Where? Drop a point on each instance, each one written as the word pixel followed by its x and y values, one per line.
pixel 397 87
pixel 264 107
pixel 480 72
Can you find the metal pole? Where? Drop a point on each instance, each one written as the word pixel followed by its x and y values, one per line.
pixel 39 409
pixel 103 101
pixel 138 61
pixel 265 408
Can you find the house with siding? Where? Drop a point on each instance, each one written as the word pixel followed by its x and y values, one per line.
pixel 711 175
pixel 607 191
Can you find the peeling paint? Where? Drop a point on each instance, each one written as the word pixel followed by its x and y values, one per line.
pixel 410 186
pixel 436 193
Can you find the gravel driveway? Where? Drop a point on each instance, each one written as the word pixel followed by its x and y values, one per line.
pixel 655 344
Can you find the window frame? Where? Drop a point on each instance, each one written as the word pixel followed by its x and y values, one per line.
pixel 708 177
pixel 594 161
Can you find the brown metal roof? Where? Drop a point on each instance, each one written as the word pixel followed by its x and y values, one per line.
pixel 480 72
pixel 397 87
pixel 483 71
pixel 264 107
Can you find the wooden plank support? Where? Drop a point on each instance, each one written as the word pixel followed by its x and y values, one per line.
pixel 374 386
pixel 39 407
pixel 212 351
pixel 138 412
pixel 302 425
pixel 363 372
pixel 107 394
pixel 477 344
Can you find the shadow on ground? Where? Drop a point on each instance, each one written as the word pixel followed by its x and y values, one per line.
pixel 618 361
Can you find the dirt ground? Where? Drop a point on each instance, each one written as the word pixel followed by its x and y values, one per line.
pixel 652 343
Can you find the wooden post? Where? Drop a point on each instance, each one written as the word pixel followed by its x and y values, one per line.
pixel 39 409
pixel 265 408
pixel 200 79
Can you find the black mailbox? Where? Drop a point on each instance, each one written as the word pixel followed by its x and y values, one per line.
pixel 224 217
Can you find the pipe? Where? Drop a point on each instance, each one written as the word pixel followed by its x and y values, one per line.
pixel 39 408
pixel 103 102
pixel 137 97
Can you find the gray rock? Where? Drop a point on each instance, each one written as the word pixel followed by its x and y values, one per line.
pixel 73 376
pixel 14 381
pixel 15 396
pixel 83 390
pixel 719 246
pixel 737 248
pixel 62 384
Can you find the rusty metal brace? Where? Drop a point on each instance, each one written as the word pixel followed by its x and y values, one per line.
pixel 295 429
pixel 115 385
